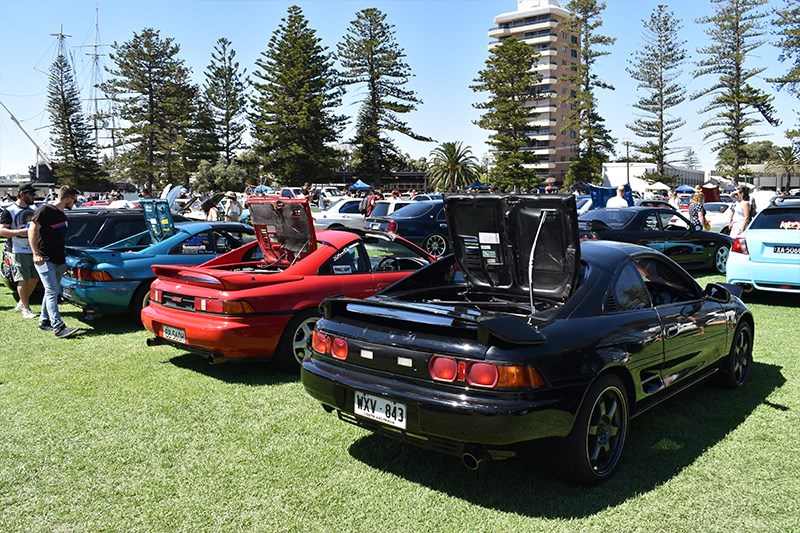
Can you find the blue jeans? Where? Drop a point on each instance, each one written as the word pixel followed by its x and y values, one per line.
pixel 51 274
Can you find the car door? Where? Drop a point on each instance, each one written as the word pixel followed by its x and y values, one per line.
pixel 682 244
pixel 694 328
pixel 348 273
pixel 350 214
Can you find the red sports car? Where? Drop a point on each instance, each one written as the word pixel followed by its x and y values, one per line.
pixel 260 301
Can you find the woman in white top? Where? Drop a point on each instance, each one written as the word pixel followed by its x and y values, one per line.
pixel 740 214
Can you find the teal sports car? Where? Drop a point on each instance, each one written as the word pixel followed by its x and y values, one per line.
pixel 115 279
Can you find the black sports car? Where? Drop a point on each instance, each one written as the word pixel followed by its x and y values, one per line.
pixel 664 230
pixel 526 334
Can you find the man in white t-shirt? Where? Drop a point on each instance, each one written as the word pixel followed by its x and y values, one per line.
pixel 618 200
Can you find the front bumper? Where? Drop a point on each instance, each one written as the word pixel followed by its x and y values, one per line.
pixel 450 420
pixel 228 337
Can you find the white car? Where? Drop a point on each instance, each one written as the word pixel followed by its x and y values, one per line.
pixel 382 209
pixel 719 216
pixel 343 213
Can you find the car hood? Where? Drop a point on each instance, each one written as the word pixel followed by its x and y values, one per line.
pixel 284 227
pixel 526 245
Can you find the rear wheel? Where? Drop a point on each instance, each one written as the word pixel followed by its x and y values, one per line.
pixel 736 366
pixel 140 300
pixel 721 258
pixel 295 343
pixel 435 244
pixel 594 447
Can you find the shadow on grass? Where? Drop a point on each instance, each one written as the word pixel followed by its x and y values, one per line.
pixel 245 373
pixel 779 299
pixel 660 444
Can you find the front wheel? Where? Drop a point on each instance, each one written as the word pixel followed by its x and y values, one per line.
pixel 594 447
pixel 435 244
pixel 721 259
pixel 295 343
pixel 736 366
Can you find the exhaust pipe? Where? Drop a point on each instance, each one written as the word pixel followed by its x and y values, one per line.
pixel 155 341
pixel 215 358
pixel 473 459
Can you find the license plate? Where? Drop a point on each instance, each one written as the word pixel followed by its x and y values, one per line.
pixel 174 334
pixel 376 226
pixel 380 409
pixel 786 249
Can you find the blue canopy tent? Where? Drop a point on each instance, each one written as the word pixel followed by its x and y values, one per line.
pixel 601 195
pixel 684 189
pixel 359 186
pixel 261 189
pixel 476 185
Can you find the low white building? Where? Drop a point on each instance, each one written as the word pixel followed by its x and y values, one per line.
pixel 615 174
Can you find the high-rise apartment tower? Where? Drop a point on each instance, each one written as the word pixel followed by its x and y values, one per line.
pixel 539 23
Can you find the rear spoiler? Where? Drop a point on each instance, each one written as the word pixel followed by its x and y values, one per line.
pixel 218 279
pixel 92 255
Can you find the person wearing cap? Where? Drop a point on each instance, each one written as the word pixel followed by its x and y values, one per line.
pixel 618 200
pixel 14 226
pixel 233 209
pixel 47 233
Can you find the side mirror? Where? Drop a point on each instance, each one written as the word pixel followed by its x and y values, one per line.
pixel 717 293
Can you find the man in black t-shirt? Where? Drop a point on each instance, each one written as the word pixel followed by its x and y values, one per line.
pixel 46 234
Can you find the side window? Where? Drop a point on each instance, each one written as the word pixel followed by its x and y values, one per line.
pixel 629 291
pixel 391 255
pixel 665 283
pixel 441 216
pixel 202 243
pixel 672 222
pixel 350 208
pixel 651 222
pixel 350 260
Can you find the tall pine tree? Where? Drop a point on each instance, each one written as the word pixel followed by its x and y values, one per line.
pixel 734 32
pixel 657 66
pixel 511 82
pixel 151 88
pixel 372 59
pixel 593 140
pixel 226 92
pixel 292 118
pixel 74 151
pixel 787 27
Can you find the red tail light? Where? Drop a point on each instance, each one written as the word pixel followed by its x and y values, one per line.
pixel 87 274
pixel 391 226
pixel 225 307
pixel 339 348
pixel 155 295
pixel 482 375
pixel 740 246
pixel 443 368
pixel 320 342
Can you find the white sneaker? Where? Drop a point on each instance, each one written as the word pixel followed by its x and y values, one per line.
pixel 18 308
pixel 27 313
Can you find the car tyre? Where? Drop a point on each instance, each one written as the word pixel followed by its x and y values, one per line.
pixel 295 342
pixel 735 368
pixel 594 447
pixel 721 258
pixel 140 300
pixel 435 244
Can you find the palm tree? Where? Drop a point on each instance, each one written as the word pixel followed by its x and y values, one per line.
pixel 785 159
pixel 452 166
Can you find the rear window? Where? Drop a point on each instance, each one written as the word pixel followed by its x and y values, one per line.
pixel 414 210
pixel 614 218
pixel 82 231
pixel 380 209
pixel 787 218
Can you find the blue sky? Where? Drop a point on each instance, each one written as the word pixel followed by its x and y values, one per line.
pixel 445 42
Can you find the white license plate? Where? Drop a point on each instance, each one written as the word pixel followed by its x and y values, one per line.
pixel 786 249
pixel 376 226
pixel 380 409
pixel 174 334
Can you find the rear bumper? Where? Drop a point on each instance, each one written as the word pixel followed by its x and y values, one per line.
pixel 105 297
pixel 251 337
pixel 779 277
pixel 446 420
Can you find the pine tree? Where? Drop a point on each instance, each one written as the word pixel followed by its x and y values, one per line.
pixel 657 66
pixel 292 119
pixel 511 83
pixel 74 151
pixel 226 91
pixel 203 144
pixel 734 31
pixel 151 87
pixel 787 24
pixel 690 159
pixel 593 140
pixel 371 57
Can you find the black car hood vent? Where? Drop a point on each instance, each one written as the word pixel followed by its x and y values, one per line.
pixel 525 245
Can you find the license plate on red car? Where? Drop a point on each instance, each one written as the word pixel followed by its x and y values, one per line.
pixel 380 409
pixel 786 249
pixel 174 334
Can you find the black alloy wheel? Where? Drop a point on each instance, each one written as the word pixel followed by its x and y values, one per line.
pixel 594 447
pixel 736 366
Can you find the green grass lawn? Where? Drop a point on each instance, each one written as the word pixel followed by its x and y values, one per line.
pixel 100 432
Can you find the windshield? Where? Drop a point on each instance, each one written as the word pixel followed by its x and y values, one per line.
pixel 613 218
pixel 787 218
